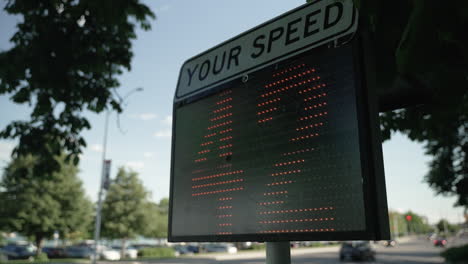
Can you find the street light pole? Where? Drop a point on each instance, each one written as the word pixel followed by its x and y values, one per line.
pixel 97 226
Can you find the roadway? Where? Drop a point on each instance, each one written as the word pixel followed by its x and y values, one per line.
pixel 412 252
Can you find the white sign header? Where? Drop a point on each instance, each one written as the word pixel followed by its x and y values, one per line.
pixel 301 29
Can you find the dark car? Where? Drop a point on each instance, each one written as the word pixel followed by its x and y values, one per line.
pixel 357 250
pixel 19 251
pixel 54 252
pixel 182 250
pixel 193 248
pixel 78 252
pixel 440 242
pixel 3 256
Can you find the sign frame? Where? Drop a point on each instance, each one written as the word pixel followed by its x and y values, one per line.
pixel 374 191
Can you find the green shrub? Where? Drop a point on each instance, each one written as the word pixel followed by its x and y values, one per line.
pixel 456 254
pixel 42 257
pixel 156 252
pixel 259 246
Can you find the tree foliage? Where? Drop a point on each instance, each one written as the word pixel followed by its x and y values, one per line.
pixel 159 219
pixel 422 46
pixel 447 228
pixel 126 210
pixel 65 58
pixel 418 223
pixel 399 226
pixel 37 206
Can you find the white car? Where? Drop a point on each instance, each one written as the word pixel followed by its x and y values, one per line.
pixel 130 252
pixel 229 248
pixel 109 253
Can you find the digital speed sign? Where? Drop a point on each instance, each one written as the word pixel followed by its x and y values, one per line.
pixel 284 148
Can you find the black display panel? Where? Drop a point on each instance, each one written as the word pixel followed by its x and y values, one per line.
pixel 280 154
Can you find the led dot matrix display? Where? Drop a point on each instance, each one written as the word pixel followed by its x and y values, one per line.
pixel 276 157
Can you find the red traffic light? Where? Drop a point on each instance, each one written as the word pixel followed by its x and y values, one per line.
pixel 409 218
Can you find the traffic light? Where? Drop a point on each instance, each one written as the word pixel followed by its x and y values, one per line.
pixel 409 218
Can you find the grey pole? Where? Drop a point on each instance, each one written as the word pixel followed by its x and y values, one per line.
pixel 278 253
pixel 97 227
pixel 395 226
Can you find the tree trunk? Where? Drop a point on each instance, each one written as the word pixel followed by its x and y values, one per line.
pixel 39 243
pixel 123 249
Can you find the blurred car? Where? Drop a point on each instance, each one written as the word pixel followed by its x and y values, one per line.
pixel 193 248
pixel 19 251
pixel 108 253
pixel 357 250
pixel 130 252
pixel 229 248
pixel 78 252
pixel 3 256
pixel 432 236
pixel 389 243
pixel 182 250
pixel 54 252
pixel 440 242
pixel 294 244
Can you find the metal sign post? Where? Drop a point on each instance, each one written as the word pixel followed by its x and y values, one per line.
pixel 278 253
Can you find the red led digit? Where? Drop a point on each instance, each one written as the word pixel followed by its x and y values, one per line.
pixel 210 135
pixel 225 207
pixel 313 88
pixel 315 97
pixel 222 109
pixel 298 151
pixel 206 143
pixel 221 117
pixel 225 131
pixel 217 175
pixel 224 101
pixel 226 92
pixel 309 126
pixel 313 116
pixel 287 211
pixel 220 125
pixel 265 120
pixel 204 151
pixel 271 203
pixel 225 146
pixel 297 220
pixel 275 193
pixel 279 183
pixel 305 137
pixel 284 173
pixel 288 163
pixel 217 183
pixel 218 191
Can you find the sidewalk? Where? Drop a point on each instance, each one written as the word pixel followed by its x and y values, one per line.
pixel 260 254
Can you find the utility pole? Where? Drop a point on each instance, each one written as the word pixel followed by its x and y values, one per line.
pixel 104 183
pixel 97 227
pixel 395 226
pixel 445 228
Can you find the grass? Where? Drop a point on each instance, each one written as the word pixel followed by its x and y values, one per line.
pixel 25 261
